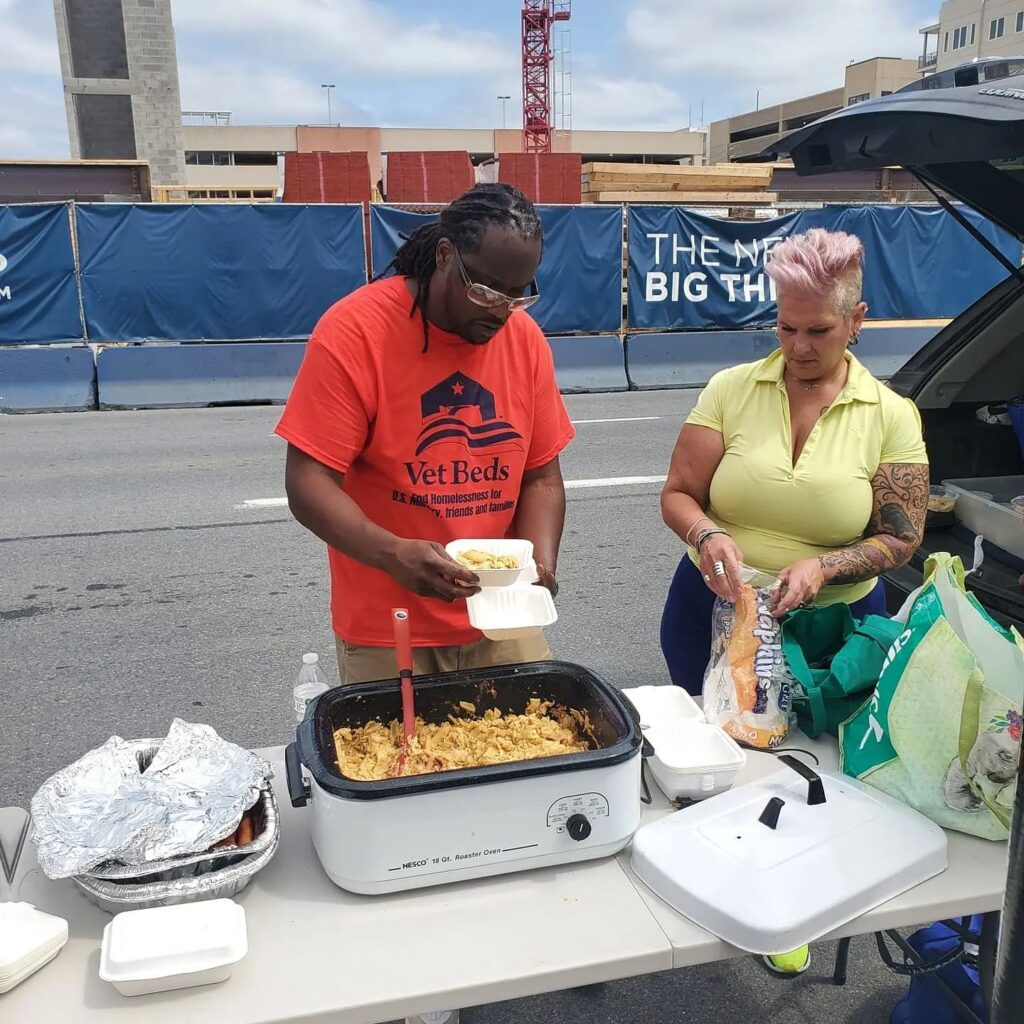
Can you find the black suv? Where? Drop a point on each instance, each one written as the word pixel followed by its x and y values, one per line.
pixel 964 143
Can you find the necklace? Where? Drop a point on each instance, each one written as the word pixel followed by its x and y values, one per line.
pixel 805 385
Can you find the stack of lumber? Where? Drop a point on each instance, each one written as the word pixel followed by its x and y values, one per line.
pixel 544 177
pixel 716 184
pixel 326 178
pixel 426 177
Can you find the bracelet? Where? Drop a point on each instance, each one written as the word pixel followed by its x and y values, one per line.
pixel 707 534
pixel 696 522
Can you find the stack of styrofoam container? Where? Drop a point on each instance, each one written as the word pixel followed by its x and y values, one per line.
pixel 692 760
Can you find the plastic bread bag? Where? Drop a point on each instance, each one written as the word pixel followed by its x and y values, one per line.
pixel 747 686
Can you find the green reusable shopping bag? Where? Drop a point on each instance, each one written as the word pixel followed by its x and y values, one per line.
pixel 835 662
pixel 942 730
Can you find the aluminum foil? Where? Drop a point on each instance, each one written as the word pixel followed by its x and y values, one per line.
pixel 110 806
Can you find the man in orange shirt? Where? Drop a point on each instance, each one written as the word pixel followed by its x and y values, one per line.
pixel 426 411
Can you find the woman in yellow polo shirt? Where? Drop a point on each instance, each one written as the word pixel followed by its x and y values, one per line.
pixel 801 465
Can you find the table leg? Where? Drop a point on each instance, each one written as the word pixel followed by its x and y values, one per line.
pixel 842 962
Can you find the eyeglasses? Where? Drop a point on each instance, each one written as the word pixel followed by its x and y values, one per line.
pixel 489 297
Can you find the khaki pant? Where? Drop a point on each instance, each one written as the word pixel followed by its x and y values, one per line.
pixel 360 664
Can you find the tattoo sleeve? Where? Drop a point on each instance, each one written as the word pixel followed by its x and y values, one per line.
pixel 894 531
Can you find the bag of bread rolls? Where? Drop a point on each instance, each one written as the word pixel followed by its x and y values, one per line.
pixel 747 686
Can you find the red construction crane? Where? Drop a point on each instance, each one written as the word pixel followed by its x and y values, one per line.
pixel 538 17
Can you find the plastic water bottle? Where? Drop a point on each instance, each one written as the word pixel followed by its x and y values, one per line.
pixel 310 684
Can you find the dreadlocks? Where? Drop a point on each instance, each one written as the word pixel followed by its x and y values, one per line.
pixel 464 223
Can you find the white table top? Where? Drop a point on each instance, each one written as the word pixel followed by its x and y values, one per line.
pixel 319 955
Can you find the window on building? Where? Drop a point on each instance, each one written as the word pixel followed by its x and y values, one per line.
pixel 255 159
pixel 972 33
pixel 206 158
pixel 887 92
pixel 945 44
pixel 858 99
pixel 263 193
pixel 1020 21
pixel 996 28
pixel 960 37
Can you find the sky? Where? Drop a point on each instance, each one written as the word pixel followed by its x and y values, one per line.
pixel 636 64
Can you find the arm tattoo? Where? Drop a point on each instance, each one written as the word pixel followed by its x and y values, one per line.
pixel 894 531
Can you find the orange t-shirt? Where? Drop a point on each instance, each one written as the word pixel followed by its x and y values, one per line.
pixel 433 444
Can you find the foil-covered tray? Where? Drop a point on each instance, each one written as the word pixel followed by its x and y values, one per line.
pixel 139 802
pixel 117 896
pixel 266 826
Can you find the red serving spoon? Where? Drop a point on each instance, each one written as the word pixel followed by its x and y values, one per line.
pixel 403 655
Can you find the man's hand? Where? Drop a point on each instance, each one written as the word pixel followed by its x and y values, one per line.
pixel 546 578
pixel 426 569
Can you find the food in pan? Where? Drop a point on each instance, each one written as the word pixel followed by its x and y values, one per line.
pixel 476 559
pixel 244 834
pixel 370 752
pixel 941 502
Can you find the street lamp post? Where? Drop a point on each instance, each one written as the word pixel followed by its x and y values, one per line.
pixel 328 87
pixel 503 100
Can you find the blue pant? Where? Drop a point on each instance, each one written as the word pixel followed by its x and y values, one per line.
pixel 686 624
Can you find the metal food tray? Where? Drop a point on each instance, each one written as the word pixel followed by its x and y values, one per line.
pixel 266 823
pixel 116 897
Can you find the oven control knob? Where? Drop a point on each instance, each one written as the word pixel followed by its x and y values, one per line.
pixel 578 827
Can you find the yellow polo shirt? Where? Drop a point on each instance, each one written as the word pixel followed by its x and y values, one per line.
pixel 777 512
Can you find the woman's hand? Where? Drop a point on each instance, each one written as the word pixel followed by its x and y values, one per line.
pixel 722 551
pixel 799 585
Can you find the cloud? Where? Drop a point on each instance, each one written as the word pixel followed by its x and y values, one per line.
pixel 256 95
pixel 32 120
pixel 735 47
pixel 343 36
pixel 28 39
pixel 34 125
pixel 621 104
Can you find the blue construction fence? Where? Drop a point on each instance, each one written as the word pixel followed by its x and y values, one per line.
pixel 696 291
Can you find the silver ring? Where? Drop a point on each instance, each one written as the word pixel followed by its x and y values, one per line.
pixel 718 568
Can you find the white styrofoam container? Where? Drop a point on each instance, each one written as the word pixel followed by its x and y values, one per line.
pixel 167 948
pixel 521 550
pixel 659 704
pixel 693 760
pixel 507 613
pixel 29 939
pixel 768 890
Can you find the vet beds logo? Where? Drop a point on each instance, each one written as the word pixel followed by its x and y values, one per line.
pixel 460 410
pixel 5 290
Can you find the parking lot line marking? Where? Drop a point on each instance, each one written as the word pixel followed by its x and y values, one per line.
pixel 570 485
pixel 620 419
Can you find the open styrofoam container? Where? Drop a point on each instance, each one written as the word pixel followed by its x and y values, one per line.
pixel 508 613
pixel 771 884
pixel 29 939
pixel 520 550
pixel 660 704
pixel 167 948
pixel 693 760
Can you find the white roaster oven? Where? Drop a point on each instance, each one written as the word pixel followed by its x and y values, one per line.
pixel 422 830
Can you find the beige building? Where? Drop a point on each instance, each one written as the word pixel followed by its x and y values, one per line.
pixel 225 161
pixel 967 29
pixel 744 136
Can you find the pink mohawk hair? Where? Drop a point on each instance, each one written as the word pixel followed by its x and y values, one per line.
pixel 820 263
